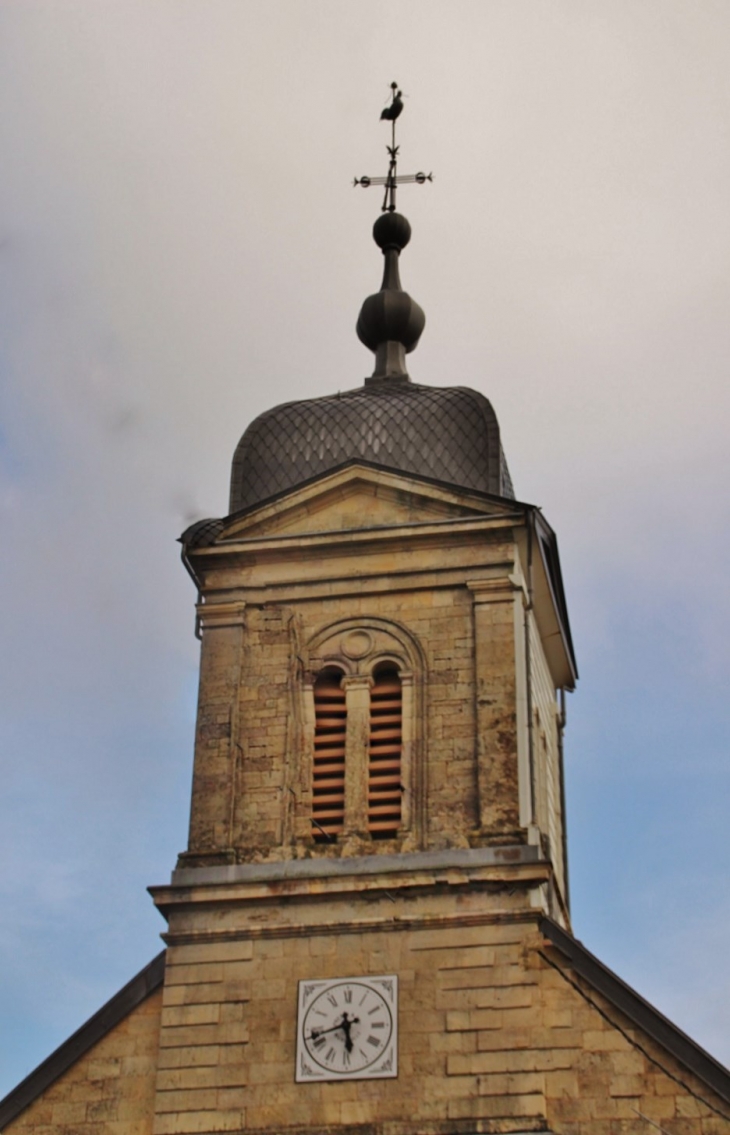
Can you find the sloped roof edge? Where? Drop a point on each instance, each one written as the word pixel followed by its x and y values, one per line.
pixel 548 549
pixel 202 533
pixel 102 1022
pixel 633 1005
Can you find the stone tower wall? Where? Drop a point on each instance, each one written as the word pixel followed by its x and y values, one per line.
pixel 494 1030
pixel 252 780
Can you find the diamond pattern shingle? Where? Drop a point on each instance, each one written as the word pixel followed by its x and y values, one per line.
pixel 450 434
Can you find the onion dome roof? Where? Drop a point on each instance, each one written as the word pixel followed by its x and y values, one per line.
pixel 450 435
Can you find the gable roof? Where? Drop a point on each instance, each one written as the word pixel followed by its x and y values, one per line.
pixel 204 533
pixel 110 1014
pixel 241 528
pixel 633 1006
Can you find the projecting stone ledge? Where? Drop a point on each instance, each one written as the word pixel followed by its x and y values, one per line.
pixel 363 865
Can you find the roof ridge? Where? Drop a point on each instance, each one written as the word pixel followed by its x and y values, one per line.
pixel 103 1021
pixel 639 1010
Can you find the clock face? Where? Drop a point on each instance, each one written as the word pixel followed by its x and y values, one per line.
pixel 347 1029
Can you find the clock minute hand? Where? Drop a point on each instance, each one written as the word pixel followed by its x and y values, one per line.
pixel 321 1032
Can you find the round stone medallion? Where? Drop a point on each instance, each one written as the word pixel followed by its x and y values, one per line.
pixel 357 644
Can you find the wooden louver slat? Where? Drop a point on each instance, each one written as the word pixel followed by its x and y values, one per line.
pixel 384 765
pixel 328 774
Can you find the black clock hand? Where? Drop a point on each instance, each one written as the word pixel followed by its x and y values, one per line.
pixel 344 1025
pixel 347 1024
pixel 321 1032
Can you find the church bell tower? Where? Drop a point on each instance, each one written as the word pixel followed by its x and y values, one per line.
pixel 369 930
pixel 377 805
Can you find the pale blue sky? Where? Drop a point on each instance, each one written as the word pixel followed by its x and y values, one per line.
pixel 180 248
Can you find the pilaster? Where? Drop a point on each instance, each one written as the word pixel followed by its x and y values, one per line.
pixel 495 602
pixel 217 733
pixel 357 746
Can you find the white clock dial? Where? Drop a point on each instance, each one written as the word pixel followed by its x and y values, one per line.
pixel 347 1029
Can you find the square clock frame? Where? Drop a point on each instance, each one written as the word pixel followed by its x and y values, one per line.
pixel 347 1029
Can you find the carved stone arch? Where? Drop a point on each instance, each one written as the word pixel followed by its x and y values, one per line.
pixel 357 647
pixel 386 658
pixel 352 643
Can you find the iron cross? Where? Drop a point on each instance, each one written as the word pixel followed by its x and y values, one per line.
pixel 392 179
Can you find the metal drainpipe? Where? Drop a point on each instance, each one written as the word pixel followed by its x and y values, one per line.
pixel 528 669
pixel 563 816
pixel 191 573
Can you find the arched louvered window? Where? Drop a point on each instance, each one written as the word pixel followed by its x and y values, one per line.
pixel 328 775
pixel 384 764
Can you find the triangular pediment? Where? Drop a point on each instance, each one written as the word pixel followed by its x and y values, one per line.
pixel 360 497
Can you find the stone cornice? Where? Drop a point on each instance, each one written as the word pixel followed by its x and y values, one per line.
pixel 377 924
pixel 287 870
pixel 215 615
pixel 407 579
pixel 419 531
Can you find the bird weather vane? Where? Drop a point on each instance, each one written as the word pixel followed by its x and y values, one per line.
pixel 392 179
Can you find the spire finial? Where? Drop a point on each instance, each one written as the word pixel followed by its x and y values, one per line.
pixel 390 322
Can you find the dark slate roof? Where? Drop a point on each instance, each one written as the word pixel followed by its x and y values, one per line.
pixel 202 533
pixel 449 435
pixel 115 1010
pixel 632 1005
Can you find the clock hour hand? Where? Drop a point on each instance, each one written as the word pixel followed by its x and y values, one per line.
pixel 347 1024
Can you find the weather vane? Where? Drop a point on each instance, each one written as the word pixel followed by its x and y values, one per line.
pixel 392 180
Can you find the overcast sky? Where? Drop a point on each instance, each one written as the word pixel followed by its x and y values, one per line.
pixel 181 248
